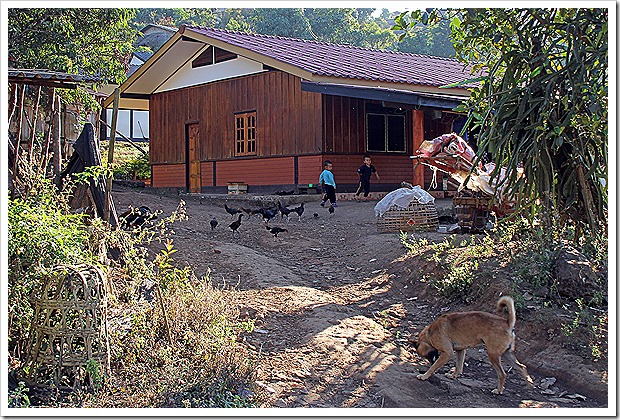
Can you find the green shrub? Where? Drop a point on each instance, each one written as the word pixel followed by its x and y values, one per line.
pixel 40 237
pixel 180 348
pixel 135 168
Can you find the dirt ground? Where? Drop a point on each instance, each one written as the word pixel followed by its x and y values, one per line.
pixel 335 304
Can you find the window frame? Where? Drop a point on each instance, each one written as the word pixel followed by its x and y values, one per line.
pixel 212 55
pixel 385 132
pixel 245 133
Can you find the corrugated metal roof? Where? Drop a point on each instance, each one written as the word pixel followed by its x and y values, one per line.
pixel 50 78
pixel 346 61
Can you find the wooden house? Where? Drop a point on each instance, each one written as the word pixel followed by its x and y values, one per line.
pixel 266 111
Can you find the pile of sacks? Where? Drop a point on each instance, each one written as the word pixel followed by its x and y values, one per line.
pixel 451 145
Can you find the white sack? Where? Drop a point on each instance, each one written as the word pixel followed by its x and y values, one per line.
pixel 402 197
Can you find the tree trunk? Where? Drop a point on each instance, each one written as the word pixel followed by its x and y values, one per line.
pixel 587 199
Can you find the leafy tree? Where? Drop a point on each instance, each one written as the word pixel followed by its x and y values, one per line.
pixel 175 17
pixel 431 39
pixel 338 26
pixel 280 22
pixel 542 104
pixel 80 40
pixel 373 36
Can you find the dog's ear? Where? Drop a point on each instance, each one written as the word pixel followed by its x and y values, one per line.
pixel 415 343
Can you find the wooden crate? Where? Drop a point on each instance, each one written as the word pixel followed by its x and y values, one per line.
pixel 416 217
pixel 237 188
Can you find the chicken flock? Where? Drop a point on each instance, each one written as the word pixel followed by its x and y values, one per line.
pixel 267 213
pixel 139 217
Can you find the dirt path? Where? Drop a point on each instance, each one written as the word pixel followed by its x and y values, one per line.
pixel 335 304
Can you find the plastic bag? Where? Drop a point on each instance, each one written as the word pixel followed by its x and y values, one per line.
pixel 402 197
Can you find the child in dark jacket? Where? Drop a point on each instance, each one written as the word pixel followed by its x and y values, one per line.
pixel 365 171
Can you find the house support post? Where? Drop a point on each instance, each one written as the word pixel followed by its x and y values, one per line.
pixel 417 117
pixel 108 184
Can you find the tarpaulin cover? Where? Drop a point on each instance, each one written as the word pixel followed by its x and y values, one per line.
pixel 86 153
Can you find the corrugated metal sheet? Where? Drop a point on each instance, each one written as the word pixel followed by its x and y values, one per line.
pixel 50 78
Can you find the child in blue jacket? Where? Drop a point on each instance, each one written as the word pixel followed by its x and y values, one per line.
pixel 326 179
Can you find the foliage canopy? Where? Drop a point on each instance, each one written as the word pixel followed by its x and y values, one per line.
pixel 79 40
pixel 543 103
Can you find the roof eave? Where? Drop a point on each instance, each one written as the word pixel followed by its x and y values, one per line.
pixel 390 85
pixel 144 67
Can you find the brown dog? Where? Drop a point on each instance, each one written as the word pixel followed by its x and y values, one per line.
pixel 458 331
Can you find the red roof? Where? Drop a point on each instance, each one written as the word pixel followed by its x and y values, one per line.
pixel 347 61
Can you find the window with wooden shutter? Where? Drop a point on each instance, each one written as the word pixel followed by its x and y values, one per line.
pixel 245 134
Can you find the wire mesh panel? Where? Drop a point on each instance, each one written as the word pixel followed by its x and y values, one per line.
pixel 414 217
pixel 69 328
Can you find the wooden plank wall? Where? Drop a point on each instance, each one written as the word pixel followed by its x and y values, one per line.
pixel 206 174
pixel 268 171
pixel 343 121
pixel 309 168
pixel 165 176
pixel 392 169
pixel 288 120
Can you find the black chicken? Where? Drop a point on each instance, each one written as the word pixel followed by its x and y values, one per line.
pixel 136 217
pixel 284 211
pixel 299 210
pixel 230 210
pixel 248 212
pixel 267 213
pixel 235 225
pixel 213 223
pixel 275 230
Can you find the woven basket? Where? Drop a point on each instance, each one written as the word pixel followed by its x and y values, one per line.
pixel 69 327
pixel 415 217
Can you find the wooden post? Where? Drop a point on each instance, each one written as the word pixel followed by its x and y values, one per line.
pixel 108 185
pixel 14 102
pixel 418 137
pixel 18 141
pixel 35 118
pixel 57 148
pixel 45 159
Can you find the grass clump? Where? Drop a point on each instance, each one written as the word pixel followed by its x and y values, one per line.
pixel 527 257
pixel 174 338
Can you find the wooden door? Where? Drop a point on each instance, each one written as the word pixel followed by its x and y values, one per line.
pixel 193 158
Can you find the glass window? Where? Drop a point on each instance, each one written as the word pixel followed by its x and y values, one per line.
pixel 245 134
pixel 385 133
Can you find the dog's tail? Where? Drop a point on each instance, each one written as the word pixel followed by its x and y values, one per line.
pixel 508 303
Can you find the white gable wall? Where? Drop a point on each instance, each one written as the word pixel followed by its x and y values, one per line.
pixel 188 76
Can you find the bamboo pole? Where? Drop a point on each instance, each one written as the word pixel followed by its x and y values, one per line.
pixel 128 139
pixel 19 132
pixel 108 185
pixel 56 146
pixel 45 158
pixel 14 102
pixel 35 117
